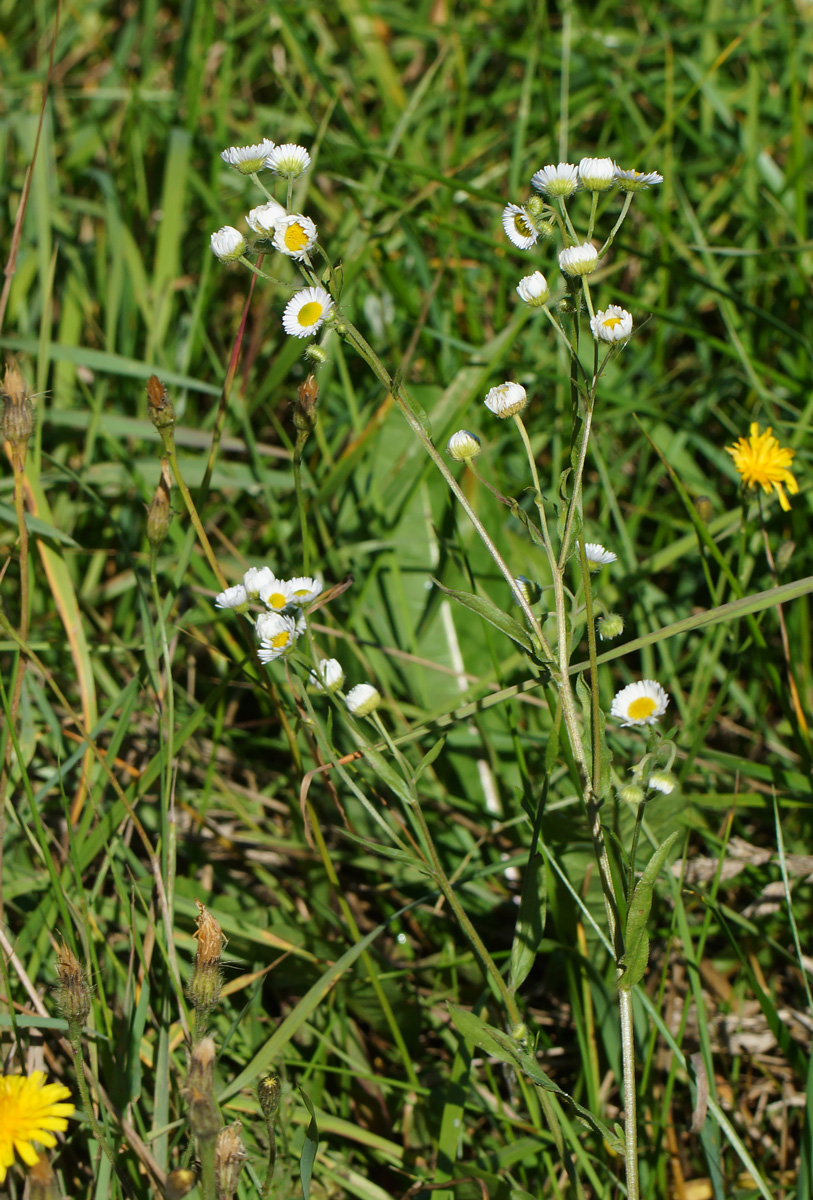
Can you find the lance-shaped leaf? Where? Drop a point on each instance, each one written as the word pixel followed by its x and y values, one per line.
pixel 495 616
pixel 636 938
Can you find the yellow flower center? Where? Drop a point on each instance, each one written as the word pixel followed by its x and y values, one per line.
pixel 521 225
pixel 641 708
pixel 309 313
pixel 277 600
pixel 280 640
pixel 302 592
pixel 295 237
pixel 611 322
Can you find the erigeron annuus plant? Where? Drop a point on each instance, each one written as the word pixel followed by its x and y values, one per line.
pixel 565 208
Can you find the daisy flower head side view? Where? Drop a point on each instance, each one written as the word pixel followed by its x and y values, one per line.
pixel 31 1110
pixel 613 324
pixel 518 226
pixel 363 700
pixel 289 160
pixel 578 260
pixel 506 400
pixel 597 174
pixel 640 703
pixel 264 218
pixel 637 181
pixel 228 244
pixel 597 556
pixel 534 290
pixel 762 462
pixel 559 180
pixel 248 160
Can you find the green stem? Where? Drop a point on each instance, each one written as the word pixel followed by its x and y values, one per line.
pixel 206 1157
pixel 79 1067
pixel 593 211
pixel 272 1162
pixel 169 444
pixel 639 816
pixel 630 1099
pixel 617 226
pixel 595 703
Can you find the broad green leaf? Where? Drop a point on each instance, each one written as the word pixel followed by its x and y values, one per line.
pixel 489 611
pixel 636 938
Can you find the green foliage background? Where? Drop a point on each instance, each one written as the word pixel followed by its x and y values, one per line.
pixel 423 120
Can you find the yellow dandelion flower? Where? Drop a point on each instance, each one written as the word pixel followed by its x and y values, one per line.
pixel 30 1110
pixel 762 462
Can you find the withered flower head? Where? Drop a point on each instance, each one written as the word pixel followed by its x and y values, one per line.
pixel 159 512
pixel 230 1154
pixel 305 407
pixel 204 1118
pixel 159 405
pixel 204 986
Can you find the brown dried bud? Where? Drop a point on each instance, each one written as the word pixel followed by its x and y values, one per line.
pixel 73 993
pixel 18 408
pixel 179 1183
pixel 204 986
pixel 41 1181
pixel 268 1094
pixel 204 1118
pixel 159 513
pixel 159 405
pixel 305 407
pixel 230 1154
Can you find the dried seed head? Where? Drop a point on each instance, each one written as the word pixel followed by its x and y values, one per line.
pixel 159 513
pixel 230 1154
pixel 73 993
pixel 18 408
pixel 268 1093
pixel 204 1118
pixel 305 407
pixel 159 405
pixel 179 1183
pixel 204 986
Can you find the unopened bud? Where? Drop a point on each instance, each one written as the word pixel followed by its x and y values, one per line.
pixel 204 985
pixel 520 1032
pixel 159 405
pixel 159 513
pixel 663 781
pixel 316 354
pixel 610 626
pixel 73 993
pixel 704 508
pixel 18 408
pixel 179 1183
pixel 268 1094
pixel 529 588
pixel 631 793
pixel 305 407
pixel 230 1154
pixel 463 446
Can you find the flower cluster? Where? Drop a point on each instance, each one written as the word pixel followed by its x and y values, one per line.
pixel 283 622
pixel 292 234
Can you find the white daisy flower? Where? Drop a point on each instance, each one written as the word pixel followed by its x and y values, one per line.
pixel 276 634
pixel 276 593
pixel 255 579
pixel 559 180
pixel 613 324
pixel 533 289
pixel 248 159
pixel 663 781
pixel 597 556
pixel 463 446
pixel 640 703
pixel 363 699
pixel 637 181
pixel 295 235
pixel 597 174
pixel 506 400
pixel 263 219
pixel 328 676
pixel 233 597
pixel 289 160
pixel 579 260
pixel 610 626
pixel 519 228
pixel 304 589
pixel 228 243
pixel 305 312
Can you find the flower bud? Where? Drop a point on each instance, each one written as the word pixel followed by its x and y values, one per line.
pixel 203 989
pixel 597 174
pixel 534 290
pixel 18 416
pixel 363 700
pixel 159 513
pixel 610 626
pixel 328 676
pixel 463 446
pixel 159 405
pixel 579 260
pixel 73 993
pixel 228 244
pixel 506 400
pixel 529 588
pixel 316 354
pixel 663 781
pixel 268 1093
pixel 631 793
